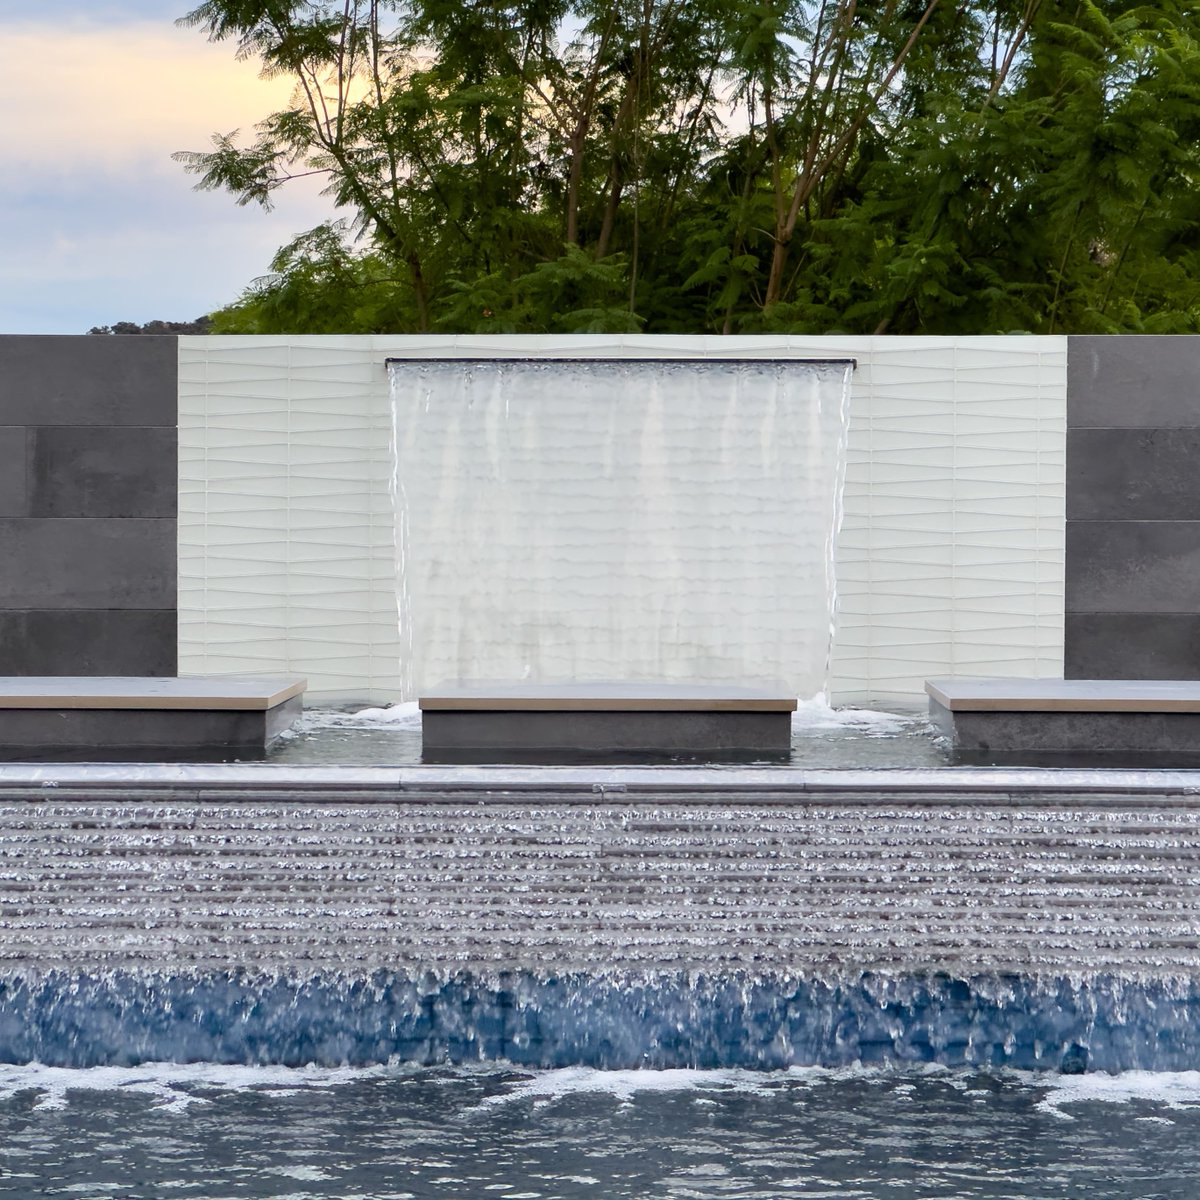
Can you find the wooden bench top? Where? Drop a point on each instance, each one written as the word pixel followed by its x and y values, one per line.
pixel 608 697
pixel 195 692
pixel 997 694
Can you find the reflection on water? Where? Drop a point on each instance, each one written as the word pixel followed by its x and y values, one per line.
pixel 388 1133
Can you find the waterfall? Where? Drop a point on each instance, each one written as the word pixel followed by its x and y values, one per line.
pixel 665 521
pixel 677 918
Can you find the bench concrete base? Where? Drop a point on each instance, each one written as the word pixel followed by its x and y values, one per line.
pixel 489 722
pixel 129 718
pixel 1074 722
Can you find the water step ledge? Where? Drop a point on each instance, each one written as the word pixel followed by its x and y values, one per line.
pixel 585 784
pixel 811 883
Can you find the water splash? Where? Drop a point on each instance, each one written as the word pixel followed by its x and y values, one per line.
pixel 1172 1089
pixel 546 1086
pixel 659 1022
pixel 173 1086
pixel 816 716
pixel 813 718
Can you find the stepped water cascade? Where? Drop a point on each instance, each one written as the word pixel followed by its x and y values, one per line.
pixel 559 984
pixel 667 918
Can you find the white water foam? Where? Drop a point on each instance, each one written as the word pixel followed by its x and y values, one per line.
pixel 543 1087
pixel 816 716
pixel 393 716
pixel 1171 1089
pixel 396 716
pixel 176 1086
pixel 546 1086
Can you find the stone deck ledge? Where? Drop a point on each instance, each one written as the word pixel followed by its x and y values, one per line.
pixel 463 722
pixel 987 694
pixel 194 692
pixel 1068 722
pixel 122 718
pixel 610 697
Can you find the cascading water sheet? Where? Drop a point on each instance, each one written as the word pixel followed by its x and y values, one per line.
pixel 666 521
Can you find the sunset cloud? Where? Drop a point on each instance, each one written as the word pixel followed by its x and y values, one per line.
pixel 115 95
pixel 102 224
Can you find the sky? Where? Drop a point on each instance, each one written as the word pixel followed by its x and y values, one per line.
pixel 97 223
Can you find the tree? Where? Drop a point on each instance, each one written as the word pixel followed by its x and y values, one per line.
pixel 199 325
pixel 723 165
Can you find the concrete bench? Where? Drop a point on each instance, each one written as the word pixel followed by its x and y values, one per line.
pixel 1135 722
pixel 492 721
pixel 202 718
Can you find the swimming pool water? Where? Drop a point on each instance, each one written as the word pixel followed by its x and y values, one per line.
pixel 822 738
pixel 393 1133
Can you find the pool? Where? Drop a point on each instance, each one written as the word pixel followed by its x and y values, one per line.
pixel 604 916
pixel 610 981
pixel 822 738
pixel 397 1133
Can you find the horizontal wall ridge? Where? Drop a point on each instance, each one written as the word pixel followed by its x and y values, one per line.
pixel 1132 612
pixel 98 520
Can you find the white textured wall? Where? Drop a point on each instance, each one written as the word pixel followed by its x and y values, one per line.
pixel 950 558
pixel 951 554
pixel 286 557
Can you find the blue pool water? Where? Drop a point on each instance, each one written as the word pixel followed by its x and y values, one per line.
pixel 398 1133
pixel 383 984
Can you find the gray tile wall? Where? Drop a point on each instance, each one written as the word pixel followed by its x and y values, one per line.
pixel 1132 603
pixel 88 505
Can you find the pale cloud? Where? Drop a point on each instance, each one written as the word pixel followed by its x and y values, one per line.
pixel 113 95
pixel 99 224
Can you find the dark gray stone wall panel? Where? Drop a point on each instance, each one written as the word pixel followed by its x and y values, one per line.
pixel 1132 567
pixel 1133 382
pixel 14 497
pixel 1132 646
pixel 101 563
pixel 1133 474
pixel 104 471
pixel 88 642
pixel 88 380
pixel 88 501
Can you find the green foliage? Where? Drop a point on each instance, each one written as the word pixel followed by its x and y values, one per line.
pixel 319 284
pixel 724 165
pixel 574 293
pixel 199 325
